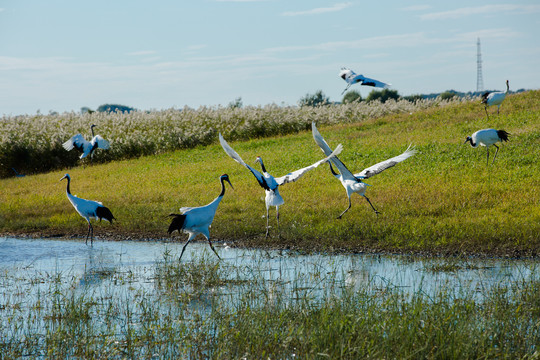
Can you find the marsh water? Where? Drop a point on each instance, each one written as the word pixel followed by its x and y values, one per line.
pixel 25 259
pixel 110 290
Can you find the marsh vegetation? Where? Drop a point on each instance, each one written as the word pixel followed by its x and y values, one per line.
pixel 114 302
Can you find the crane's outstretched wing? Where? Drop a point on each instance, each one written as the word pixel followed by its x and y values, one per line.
pixel 234 155
pixel 372 82
pixel 75 141
pixel 347 74
pixel 101 142
pixel 295 175
pixel 383 165
pixel 346 173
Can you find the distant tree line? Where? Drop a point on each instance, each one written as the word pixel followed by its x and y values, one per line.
pixel 108 108
pixel 320 99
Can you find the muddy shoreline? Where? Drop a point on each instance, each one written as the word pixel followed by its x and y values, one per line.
pixel 307 247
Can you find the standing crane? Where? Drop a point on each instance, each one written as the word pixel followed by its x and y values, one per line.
pixel 494 98
pixel 352 78
pixel 86 147
pixel 271 184
pixel 487 137
pixel 88 209
pixel 197 220
pixel 353 182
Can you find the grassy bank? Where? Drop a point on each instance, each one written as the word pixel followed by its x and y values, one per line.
pixel 444 199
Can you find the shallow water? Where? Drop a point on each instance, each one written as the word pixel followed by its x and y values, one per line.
pixel 308 273
pixel 50 287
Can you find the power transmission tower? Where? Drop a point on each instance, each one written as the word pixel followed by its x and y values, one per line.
pixel 479 80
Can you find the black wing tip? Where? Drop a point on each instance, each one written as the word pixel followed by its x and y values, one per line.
pixel 503 135
pixel 103 212
pixel 177 223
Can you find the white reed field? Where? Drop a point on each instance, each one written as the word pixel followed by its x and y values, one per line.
pixel 33 143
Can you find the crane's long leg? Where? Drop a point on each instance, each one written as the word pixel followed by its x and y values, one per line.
pixel 376 211
pixel 487 161
pixel 267 225
pixel 347 209
pixel 184 248
pixel 88 233
pixel 212 247
pixel 496 152
pixel 91 235
pixel 487 115
pixel 347 88
pixel 277 217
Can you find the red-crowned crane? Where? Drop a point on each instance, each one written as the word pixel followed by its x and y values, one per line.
pixel 86 147
pixel 197 220
pixel 352 78
pixel 494 98
pixel 353 182
pixel 487 137
pixel 88 209
pixel 268 182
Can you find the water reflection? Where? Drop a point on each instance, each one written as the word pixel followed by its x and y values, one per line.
pixel 133 263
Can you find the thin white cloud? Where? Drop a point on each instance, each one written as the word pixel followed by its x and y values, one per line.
pixel 416 8
pixel 244 1
pixel 481 10
pixel 501 33
pixel 316 11
pixel 374 45
pixel 377 42
pixel 141 53
pixel 196 47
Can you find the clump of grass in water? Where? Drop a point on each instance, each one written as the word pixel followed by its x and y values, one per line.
pixel 361 326
pixel 201 272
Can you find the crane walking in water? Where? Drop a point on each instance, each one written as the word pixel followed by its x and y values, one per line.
pixel 88 209
pixel 487 137
pixel 271 184
pixel 353 182
pixel 197 220
pixel 352 78
pixel 86 147
pixel 494 98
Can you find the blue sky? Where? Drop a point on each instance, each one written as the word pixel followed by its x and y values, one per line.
pixel 61 55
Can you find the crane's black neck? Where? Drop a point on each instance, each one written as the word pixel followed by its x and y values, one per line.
pixel 470 140
pixel 507 87
pixel 222 187
pixel 67 186
pixel 262 166
pixel 332 169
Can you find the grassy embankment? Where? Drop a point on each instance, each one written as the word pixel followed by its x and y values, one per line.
pixel 444 199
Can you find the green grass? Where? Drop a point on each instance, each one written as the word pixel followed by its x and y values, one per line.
pixel 442 200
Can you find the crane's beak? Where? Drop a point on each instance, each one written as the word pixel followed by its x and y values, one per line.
pixel 63 177
pixel 230 183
